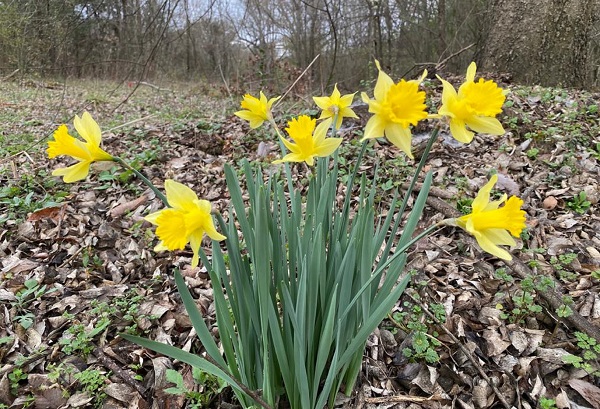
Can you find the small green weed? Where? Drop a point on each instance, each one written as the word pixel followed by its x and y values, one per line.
pixel 31 292
pixel 7 340
pixel 464 205
pixel 595 151
pixel 579 203
pixel 560 265
pixel 503 275
pixel 546 403
pixel 89 259
pixel 93 382
pixel 565 310
pixel 125 310
pixel 28 194
pixel 532 153
pixel 211 386
pixel 590 351
pixel 524 298
pixel 413 320
pixel 15 377
pixel 79 339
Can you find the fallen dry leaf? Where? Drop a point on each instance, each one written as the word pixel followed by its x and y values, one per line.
pixel 589 392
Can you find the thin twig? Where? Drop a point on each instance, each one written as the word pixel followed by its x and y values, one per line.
pixel 9 76
pixel 224 81
pixel 124 375
pixel 440 64
pixel 130 122
pixel 297 79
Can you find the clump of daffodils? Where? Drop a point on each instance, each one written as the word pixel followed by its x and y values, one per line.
pixel 304 282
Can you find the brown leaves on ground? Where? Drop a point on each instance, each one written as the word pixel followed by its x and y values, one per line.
pixel 77 273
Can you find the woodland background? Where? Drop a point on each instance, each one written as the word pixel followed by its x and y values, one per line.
pixel 243 44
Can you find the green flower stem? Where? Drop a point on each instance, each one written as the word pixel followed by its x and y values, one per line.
pixel 420 166
pixel 412 184
pixel 144 179
pixel 350 184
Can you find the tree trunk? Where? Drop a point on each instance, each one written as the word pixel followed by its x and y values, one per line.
pixel 544 42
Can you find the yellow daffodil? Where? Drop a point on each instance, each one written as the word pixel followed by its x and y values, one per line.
pixel 492 225
pixel 336 104
pixel 186 221
pixel 85 152
pixel 308 141
pixel 255 110
pixel 474 106
pixel 396 107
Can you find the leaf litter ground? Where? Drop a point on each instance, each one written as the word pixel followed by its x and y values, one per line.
pixel 78 267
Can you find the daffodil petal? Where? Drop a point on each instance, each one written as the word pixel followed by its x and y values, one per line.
pixel 322 102
pixel 374 128
pixel 383 85
pixel 179 195
pixel 460 132
pixel 489 247
pixel 400 137
pixel 484 124
pixel 152 217
pixel 471 72
pixel 171 229
pixel 88 128
pixel 291 157
pixel 448 91
pixel 292 147
pixel 499 237
pixel 73 173
pixel 327 147
pixel 321 132
pixel 254 120
pixel 348 113
pixel 212 232
pixel 195 243
pixel 65 144
pixel 160 247
pixel 483 197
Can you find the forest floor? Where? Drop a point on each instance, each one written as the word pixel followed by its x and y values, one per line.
pixel 77 265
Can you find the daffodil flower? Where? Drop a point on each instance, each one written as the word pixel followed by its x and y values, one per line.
pixel 492 225
pixel 308 141
pixel 255 110
pixel 396 107
pixel 186 221
pixel 336 104
pixel 475 106
pixel 84 152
